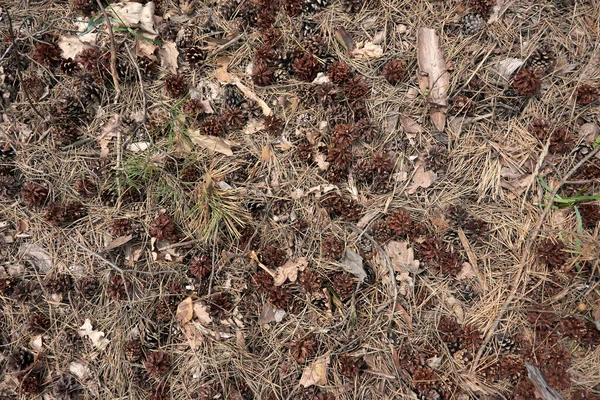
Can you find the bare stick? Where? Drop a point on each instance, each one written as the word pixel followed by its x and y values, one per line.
pixel 524 254
pixel 113 52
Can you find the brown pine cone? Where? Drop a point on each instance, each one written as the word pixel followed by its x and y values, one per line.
pixel 133 350
pixel 542 59
pixel 38 323
pixel 462 105
pixel 381 231
pixel 394 71
pixel 262 281
pixel 310 281
pixel 339 157
pixel 539 128
pixel 19 360
pixel 68 66
pixel 337 206
pixel 381 163
pixel 273 124
pixel 201 266
pixel 561 141
pixel 89 287
pixel 193 108
pixel 264 53
pixel 262 75
pixel 220 305
pixel 339 72
pixel 120 227
pixel 280 297
pixel 234 118
pixel 342 136
pixel 56 214
pixel 343 284
pixel 89 59
pixel 293 7
pixel 356 88
pixel 66 388
pixel 85 7
pixel 212 126
pixel 272 36
pixel 190 173
pixel 85 187
pixel 483 7
pixel 176 86
pixel 47 54
pixel 326 94
pixel 306 68
pixel 272 256
pixel 587 94
pixel 195 55
pixel 352 6
pixel 431 251
pixel 303 348
pixel 350 366
pixel 61 283
pixel 437 158
pixel 31 385
pixel 400 222
pixel 117 289
pixel 158 364
pixel 332 248
pixel 163 227
pixel 527 82
pixel 590 214
pixel 314 44
pixel 34 194
pixel 363 129
pixel 304 151
pixel 552 253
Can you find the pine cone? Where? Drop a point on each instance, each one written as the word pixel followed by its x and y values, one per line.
pixel 586 94
pixel 280 297
pixel 264 54
pixel 158 364
pixel 304 151
pixel 176 86
pixel 195 55
pixel 363 129
pixel 193 108
pixel 66 388
pixel 273 124
pixel 120 227
pixel 437 158
pixel 85 187
pixel 590 214
pixel 527 82
pixel 314 44
pixel 68 66
pixel 312 6
pixel 117 289
pixel 473 23
pixel 147 66
pixel 561 141
pixel 356 88
pixel 34 194
pixel 303 348
pixel 542 59
pixel 539 128
pixel 272 36
pixel 339 72
pixel 201 266
pixel 262 75
pixel 212 126
pixel 339 157
pixel 293 7
pixel 342 136
pixel 401 223
pixel 89 59
pixel 89 287
pixel 462 105
pixel 332 248
pixel 85 7
pixel 38 324
pixel 337 206
pixel 326 94
pixel 306 68
pixel 47 54
pixel 343 284
pixel 381 232
pixel 233 118
pixel 251 110
pixel 482 6
pixel 382 164
pixel 310 281
pixel 220 305
pixel 350 366
pixel 163 227
pixel 394 71
pixel 272 256
pixel 9 184
pixel 262 281
pixel 61 283
pixel 31 385
pixel 552 253
pixel 19 360
pixel 352 6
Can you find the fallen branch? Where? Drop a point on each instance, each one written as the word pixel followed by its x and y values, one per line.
pixel 113 52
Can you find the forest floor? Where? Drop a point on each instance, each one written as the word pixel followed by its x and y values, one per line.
pixel 299 199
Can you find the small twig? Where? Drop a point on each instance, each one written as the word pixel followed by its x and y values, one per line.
pixel 228 44
pixel 113 53
pixel 527 250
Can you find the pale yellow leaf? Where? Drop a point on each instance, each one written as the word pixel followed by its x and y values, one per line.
pixel 97 337
pixel 185 311
pixel 316 373
pixel 265 154
pixel 193 335
pixel 368 50
pixel 466 272
pixel 221 73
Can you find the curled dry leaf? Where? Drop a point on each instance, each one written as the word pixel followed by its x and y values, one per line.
pixel 193 335
pixel 269 314
pixel 39 258
pixel 71 46
pixel 368 50
pixel 321 163
pixel 289 271
pixel 504 69
pixel 201 312
pixel 79 369
pixel 97 337
pixel 135 15
pixel 168 54
pixel 421 179
pixel 185 311
pixel 316 373
pixel 466 272
pixel 432 66
pixel 145 48
pixel 212 143
pixel 402 257
pixel 118 242
pixel 108 131
pixel 353 263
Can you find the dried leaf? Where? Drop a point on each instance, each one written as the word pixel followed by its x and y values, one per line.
pixel 212 143
pixel 466 272
pixel 168 54
pixel 201 312
pixel 402 257
pixel 80 370
pixel 411 128
pixel 316 373
pixel 38 257
pixel 344 38
pixel 97 337
pixel 71 46
pixel 193 335
pixel 284 144
pixel 405 283
pixel 135 15
pixel 353 263
pixel 138 147
pixel 505 69
pixel 118 242
pixel 368 50
pixel 289 271
pixel 269 314
pixel 253 126
pixel 145 48
pixel 221 73
pixel 421 179
pixel 185 311
pixel 321 79
pixel 589 132
pixel 108 131
pixel 36 343
pixel 321 163
pixel 266 153
pixel 433 66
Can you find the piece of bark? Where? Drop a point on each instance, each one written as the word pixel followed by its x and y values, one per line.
pixel 433 74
